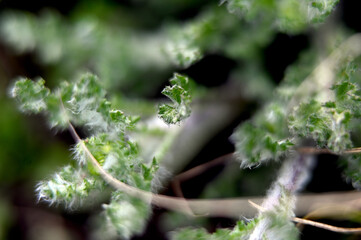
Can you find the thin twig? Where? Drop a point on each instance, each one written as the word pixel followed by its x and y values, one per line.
pixel 203 167
pixel 353 150
pixel 326 226
pixel 178 191
pixel 311 150
pixel 314 223
pixel 176 183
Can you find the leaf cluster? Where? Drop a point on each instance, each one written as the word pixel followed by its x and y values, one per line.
pixel 288 15
pixel 179 94
pixel 242 230
pixel 278 127
pixel 83 103
pixel 290 116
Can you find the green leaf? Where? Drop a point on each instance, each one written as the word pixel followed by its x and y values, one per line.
pixel 127 215
pixel 277 227
pixel 320 9
pixel 347 91
pixel 327 126
pixel 309 119
pixel 191 234
pixel 288 15
pixel 148 171
pixel 30 95
pixel 264 138
pixel 70 186
pixel 179 94
pixel 241 231
pixel 83 104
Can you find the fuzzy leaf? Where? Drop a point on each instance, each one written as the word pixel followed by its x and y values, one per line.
pixel 83 103
pixel 179 94
pixel 241 231
pixel 69 186
pixel 120 158
pixel 347 90
pixel 191 234
pixel 320 9
pixel 275 226
pixel 264 139
pixel 127 215
pixel 287 15
pixel 30 95
pixel 327 126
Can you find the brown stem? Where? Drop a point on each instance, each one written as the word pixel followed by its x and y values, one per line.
pixel 314 223
pixel 311 150
pixel 183 205
pixel 203 167
pixel 224 207
pixel 176 183
pixel 232 207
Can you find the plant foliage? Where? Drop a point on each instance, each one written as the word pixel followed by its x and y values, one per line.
pixel 318 101
pixel 83 104
pixel 180 95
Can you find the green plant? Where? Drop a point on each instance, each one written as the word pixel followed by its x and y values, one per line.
pixel 316 105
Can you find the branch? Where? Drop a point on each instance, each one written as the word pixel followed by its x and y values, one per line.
pixel 327 226
pixel 176 183
pixel 231 207
pixel 314 223
pixel 311 150
pixel 197 171
pixel 220 207
pixel 203 167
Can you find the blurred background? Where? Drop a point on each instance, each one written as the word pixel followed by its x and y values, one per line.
pixel 128 44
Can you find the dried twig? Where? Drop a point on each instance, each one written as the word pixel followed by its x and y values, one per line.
pixel 311 150
pixel 314 223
